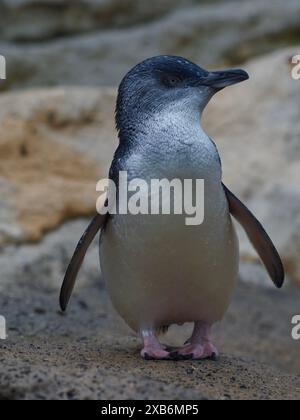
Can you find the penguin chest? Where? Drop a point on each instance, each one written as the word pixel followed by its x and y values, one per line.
pixel 158 269
pixel 161 271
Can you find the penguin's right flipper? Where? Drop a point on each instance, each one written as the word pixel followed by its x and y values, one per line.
pixel 258 237
pixel 70 277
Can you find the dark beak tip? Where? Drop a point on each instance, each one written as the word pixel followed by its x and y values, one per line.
pixel 244 74
pixel 236 76
pixel 224 78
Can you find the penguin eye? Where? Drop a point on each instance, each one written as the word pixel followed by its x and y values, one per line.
pixel 172 80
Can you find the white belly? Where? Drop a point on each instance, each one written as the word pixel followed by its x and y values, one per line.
pixel 159 271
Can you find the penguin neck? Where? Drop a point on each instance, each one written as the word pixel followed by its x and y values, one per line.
pixel 172 123
pixel 171 145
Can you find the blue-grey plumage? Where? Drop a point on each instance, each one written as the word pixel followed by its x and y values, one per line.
pixel 158 270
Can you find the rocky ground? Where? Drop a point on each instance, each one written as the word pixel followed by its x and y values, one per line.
pixel 89 352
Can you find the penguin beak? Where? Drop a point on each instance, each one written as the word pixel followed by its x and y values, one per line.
pixel 222 79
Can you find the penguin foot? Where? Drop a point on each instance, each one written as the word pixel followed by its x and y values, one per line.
pixel 211 351
pixel 196 351
pixel 150 353
pixel 153 349
pixel 198 346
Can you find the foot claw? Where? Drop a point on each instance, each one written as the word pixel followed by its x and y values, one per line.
pixel 146 356
pixel 214 357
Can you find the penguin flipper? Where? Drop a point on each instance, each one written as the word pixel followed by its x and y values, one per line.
pixel 258 237
pixel 77 259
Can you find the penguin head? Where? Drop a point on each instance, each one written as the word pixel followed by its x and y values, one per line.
pixel 169 83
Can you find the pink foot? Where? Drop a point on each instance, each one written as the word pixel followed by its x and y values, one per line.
pixel 153 349
pixel 196 352
pixel 198 346
pixel 189 351
pixel 152 353
pixel 210 351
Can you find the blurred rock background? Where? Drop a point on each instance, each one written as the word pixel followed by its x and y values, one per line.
pixel 64 61
pixel 94 42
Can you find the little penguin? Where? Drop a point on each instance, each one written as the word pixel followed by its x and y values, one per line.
pixel 160 271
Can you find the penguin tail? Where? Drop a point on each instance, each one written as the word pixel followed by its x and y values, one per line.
pixel 74 266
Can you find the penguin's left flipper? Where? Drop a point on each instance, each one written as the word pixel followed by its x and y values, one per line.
pixel 258 237
pixel 70 277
